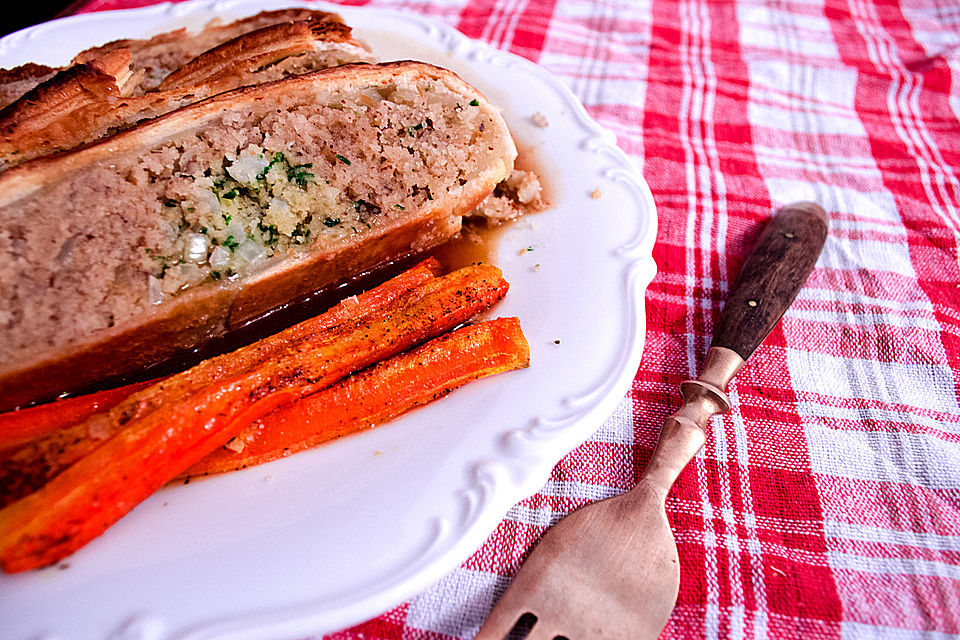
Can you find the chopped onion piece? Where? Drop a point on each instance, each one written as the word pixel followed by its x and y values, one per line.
pixel 219 257
pixel 250 251
pixel 248 165
pixel 190 273
pixel 194 247
pixel 155 291
pixel 235 229
pixel 206 201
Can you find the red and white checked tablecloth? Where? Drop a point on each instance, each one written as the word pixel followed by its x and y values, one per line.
pixel 827 504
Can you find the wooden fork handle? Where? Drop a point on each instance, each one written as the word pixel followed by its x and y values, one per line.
pixel 771 277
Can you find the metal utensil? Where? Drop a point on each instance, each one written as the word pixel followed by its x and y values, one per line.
pixel 610 570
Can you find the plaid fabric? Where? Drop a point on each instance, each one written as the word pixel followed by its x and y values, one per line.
pixel 827 504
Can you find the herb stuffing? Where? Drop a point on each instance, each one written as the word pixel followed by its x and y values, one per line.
pixel 260 205
pixel 300 175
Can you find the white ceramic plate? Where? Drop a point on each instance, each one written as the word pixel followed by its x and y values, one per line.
pixel 334 536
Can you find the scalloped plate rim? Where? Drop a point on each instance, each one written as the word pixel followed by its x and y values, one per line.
pixel 639 270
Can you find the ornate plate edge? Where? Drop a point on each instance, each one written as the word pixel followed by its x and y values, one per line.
pixel 523 466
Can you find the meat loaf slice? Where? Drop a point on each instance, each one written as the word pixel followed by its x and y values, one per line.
pixel 270 53
pixel 151 241
pixel 91 99
pixel 17 81
pixel 153 58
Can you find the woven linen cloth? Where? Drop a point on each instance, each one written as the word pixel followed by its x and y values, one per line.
pixel 827 503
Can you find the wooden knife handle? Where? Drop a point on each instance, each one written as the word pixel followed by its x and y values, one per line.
pixel 771 277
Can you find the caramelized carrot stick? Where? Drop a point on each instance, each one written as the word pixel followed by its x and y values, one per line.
pixel 375 395
pixel 70 431
pixel 219 367
pixel 24 425
pixel 148 450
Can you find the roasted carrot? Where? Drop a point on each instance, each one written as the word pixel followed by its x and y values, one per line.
pixel 69 431
pixel 375 395
pixel 24 425
pixel 220 367
pixel 39 442
pixel 148 450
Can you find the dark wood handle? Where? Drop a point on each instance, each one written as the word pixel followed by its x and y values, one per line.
pixel 771 277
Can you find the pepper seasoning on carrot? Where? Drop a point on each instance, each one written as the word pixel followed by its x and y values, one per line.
pixel 376 395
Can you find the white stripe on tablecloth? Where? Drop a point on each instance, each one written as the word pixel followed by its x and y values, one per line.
pixel 590 81
pixel 687 115
pixel 760 25
pixel 898 317
pixel 883 535
pixel 495 26
pixel 878 415
pixel 474 593
pixel 944 173
pixel 576 489
pixel 713 229
pixel 510 25
pixel 920 304
pixel 927 385
pixel 899 566
pixel 882 53
pixel 862 631
pixel 879 205
pixel 876 311
pixel 881 456
pixel 841 315
pixel 754 548
pixel 841 165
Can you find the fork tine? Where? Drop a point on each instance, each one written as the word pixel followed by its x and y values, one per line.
pixel 542 632
pixel 500 628
pixel 499 624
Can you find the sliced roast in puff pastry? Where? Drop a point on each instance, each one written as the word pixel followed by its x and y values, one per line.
pixel 100 96
pixel 149 242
